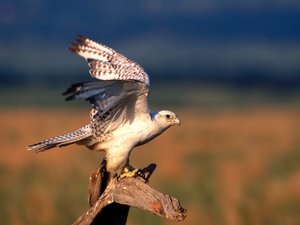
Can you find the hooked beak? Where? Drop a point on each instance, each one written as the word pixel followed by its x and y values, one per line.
pixel 176 121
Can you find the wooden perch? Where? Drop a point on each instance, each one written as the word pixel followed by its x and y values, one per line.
pixel 110 204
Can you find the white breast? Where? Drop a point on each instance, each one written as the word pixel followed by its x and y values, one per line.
pixel 125 138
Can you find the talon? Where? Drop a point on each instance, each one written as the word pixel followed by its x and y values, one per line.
pixel 126 170
pixel 131 173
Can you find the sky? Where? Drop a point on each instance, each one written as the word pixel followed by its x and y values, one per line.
pixel 184 39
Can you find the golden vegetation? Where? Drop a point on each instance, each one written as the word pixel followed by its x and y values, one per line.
pixel 233 166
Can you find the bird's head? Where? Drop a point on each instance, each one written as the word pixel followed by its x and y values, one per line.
pixel 166 118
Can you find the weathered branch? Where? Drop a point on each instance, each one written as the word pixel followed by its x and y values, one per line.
pixel 113 205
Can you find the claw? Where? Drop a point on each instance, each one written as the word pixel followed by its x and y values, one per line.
pixel 131 172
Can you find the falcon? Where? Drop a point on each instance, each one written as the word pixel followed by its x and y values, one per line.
pixel 120 118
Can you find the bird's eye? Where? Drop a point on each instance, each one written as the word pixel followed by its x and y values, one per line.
pixel 168 116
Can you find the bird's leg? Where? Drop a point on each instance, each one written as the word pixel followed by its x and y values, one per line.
pixel 129 171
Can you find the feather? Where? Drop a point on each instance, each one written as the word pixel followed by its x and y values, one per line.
pixel 107 64
pixel 62 140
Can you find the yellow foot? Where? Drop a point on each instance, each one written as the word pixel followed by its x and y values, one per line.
pixel 131 173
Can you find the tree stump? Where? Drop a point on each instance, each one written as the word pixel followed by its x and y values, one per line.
pixel 110 201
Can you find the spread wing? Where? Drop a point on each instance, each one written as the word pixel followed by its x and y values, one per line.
pixel 120 95
pixel 114 102
pixel 107 64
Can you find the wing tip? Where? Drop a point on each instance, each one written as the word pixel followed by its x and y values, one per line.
pixel 81 38
pixel 71 92
pixel 73 48
pixel 79 41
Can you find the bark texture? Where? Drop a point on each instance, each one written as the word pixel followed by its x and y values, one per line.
pixel 110 200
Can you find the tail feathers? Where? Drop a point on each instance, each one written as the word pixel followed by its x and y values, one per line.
pixel 62 140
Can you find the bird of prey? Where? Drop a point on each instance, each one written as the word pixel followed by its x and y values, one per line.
pixel 120 118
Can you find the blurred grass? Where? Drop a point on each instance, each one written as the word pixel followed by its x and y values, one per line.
pixel 174 93
pixel 234 160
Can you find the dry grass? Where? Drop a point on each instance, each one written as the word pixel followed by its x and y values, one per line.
pixel 233 166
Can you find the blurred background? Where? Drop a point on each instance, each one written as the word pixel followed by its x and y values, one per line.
pixel 230 69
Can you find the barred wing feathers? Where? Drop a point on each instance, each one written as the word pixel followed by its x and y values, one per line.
pixel 122 92
pixel 115 101
pixel 107 64
pixel 120 95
